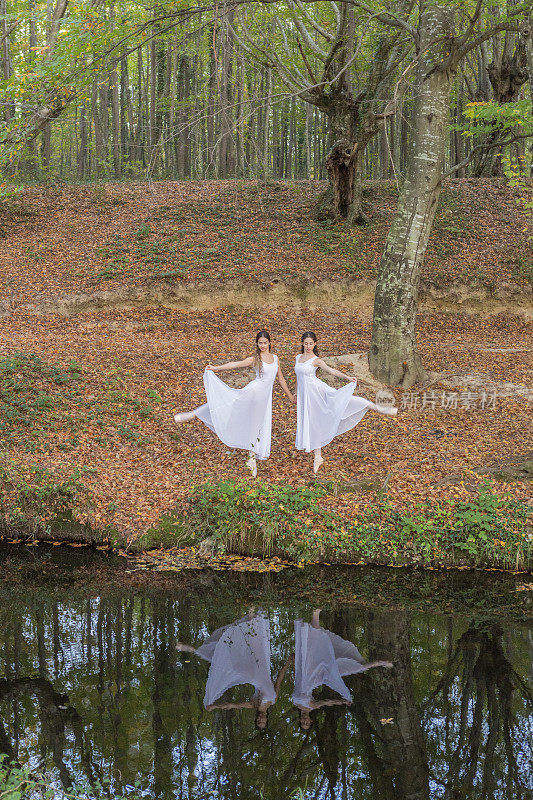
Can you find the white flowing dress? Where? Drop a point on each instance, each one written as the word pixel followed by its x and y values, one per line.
pixel 322 659
pixel 322 411
pixel 241 418
pixel 239 653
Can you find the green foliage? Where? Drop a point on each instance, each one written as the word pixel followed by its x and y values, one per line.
pixel 238 517
pixel 303 524
pixel 521 266
pixel 483 117
pixel 140 254
pixel 37 397
pixel 32 498
pixel 486 119
pixel 21 783
pixel 31 390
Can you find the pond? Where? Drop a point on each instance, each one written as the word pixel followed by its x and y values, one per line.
pixel 93 682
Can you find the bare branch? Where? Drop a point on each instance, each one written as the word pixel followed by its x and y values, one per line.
pixel 307 36
pixel 483 146
pixel 10 30
pixel 387 18
pixel 318 28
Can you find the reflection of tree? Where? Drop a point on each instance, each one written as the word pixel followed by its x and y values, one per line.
pixel 329 727
pixel 479 683
pixel 56 715
pixel 114 659
pixel 395 751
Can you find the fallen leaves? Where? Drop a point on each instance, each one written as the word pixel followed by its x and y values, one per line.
pixel 137 467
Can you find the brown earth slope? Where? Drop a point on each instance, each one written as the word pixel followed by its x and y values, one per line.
pixel 95 391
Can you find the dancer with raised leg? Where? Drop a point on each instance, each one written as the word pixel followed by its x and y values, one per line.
pixel 324 412
pixel 242 418
pixel 323 659
pixel 238 654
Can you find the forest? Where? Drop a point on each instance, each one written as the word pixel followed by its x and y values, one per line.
pixel 176 174
pixel 266 325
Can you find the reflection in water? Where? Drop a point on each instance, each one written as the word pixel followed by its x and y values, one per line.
pixel 239 654
pixel 105 687
pixel 323 658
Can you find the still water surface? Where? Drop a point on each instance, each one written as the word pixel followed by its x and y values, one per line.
pixel 93 684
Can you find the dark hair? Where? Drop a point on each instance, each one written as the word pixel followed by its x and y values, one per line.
pixel 300 721
pixel 260 728
pixel 309 335
pixel 258 361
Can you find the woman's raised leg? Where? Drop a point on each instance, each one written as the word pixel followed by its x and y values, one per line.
pixel 185 416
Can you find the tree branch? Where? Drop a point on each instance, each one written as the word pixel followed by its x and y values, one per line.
pixel 318 28
pixel 483 146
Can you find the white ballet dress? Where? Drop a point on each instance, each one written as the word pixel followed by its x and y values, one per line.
pixel 241 418
pixel 321 659
pixel 322 411
pixel 239 654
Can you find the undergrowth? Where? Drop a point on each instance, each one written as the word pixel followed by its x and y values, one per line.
pixel 304 524
pixel 38 399
pixel 35 500
pixel 21 783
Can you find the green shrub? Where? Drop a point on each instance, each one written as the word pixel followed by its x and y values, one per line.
pixel 21 783
pixel 260 518
pixel 32 498
pixel 303 524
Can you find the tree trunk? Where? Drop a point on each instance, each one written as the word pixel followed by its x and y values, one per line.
pixel 344 198
pixel 115 109
pixel 99 147
pixel 82 151
pixel 7 66
pixel 393 357
pixel 400 752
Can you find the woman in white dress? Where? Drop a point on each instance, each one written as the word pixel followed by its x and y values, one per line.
pixel 239 653
pixel 242 418
pixel 322 659
pixel 324 412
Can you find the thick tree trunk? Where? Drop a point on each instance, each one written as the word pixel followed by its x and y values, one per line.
pixel 393 357
pixel 344 198
pixel 397 757
pixel 507 73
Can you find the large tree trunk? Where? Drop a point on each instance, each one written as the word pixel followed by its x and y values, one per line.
pixel 393 357
pixel 507 73
pixel 342 165
pixel 397 756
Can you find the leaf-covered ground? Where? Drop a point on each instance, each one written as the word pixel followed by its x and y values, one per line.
pixel 99 394
pixel 70 240
pixel 86 402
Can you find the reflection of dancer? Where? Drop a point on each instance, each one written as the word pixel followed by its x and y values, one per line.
pixel 240 653
pixel 242 418
pixel 324 412
pixel 323 658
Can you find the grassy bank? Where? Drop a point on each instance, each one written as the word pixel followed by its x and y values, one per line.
pixel 88 448
pixel 310 524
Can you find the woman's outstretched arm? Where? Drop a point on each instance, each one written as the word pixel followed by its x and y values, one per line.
pixel 283 382
pixel 281 673
pixel 246 362
pixel 338 374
